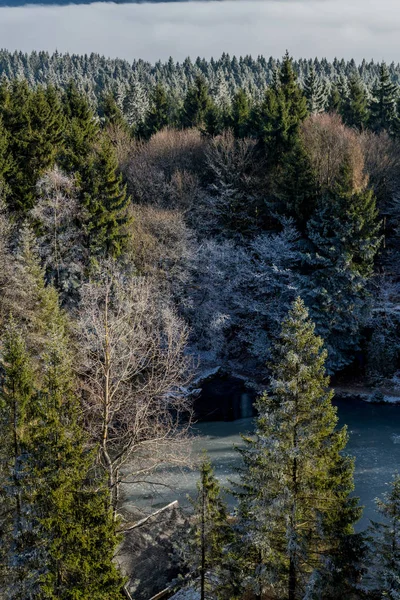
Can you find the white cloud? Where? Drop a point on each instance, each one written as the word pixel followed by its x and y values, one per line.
pixel 344 28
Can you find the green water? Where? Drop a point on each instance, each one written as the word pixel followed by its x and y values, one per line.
pixel 374 442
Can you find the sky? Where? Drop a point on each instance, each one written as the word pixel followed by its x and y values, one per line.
pixel 307 28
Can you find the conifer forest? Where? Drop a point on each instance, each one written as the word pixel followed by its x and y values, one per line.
pixel 158 221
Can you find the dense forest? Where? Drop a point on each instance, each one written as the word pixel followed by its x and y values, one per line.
pixel 157 221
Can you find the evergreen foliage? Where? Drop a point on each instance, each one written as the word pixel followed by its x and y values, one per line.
pixel 384 103
pixel 344 236
pixel 294 510
pixel 196 104
pixel 281 113
pixel 202 547
pixel 106 201
pixel 387 542
pixel 314 91
pixel 297 187
pixel 159 112
pixel 355 110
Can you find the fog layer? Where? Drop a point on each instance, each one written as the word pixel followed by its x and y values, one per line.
pixel 344 28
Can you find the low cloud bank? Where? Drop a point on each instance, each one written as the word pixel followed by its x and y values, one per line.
pixel 344 28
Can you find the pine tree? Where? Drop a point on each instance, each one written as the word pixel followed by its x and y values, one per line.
pixel 294 505
pixel 387 542
pixel 72 530
pixel 16 391
pixel 355 106
pixel 240 118
pixel 383 110
pixel 109 111
pixel 158 115
pixel 297 187
pixel 81 131
pixel 281 113
pixel 334 99
pixel 106 201
pixel 202 547
pixel 344 233
pixel 196 104
pixel 34 135
pixel 63 537
pixel 314 91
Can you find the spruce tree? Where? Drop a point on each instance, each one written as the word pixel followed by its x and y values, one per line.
pixel 281 113
pixel 35 137
pixel 297 187
pixel 158 115
pixel 196 104
pixel 355 106
pixel 69 532
pixel 110 113
pixel 201 549
pixel 240 114
pixel 295 509
pixel 81 131
pixel 106 201
pixel 383 109
pixel 16 392
pixel 344 236
pixel 387 542
pixel 314 91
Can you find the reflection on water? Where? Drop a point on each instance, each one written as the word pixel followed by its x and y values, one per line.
pixel 374 442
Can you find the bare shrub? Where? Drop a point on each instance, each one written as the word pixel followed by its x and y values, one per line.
pixel 161 243
pixel 165 169
pixel 328 142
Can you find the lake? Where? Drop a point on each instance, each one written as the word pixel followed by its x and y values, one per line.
pixel 374 442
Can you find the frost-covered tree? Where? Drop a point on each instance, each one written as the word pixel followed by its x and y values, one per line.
pixel 295 514
pixel 133 369
pixel 60 220
pixel 315 92
pixel 136 104
pixel 233 202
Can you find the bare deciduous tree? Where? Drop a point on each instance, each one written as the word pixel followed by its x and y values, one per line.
pixel 328 141
pixel 134 370
pixel 61 234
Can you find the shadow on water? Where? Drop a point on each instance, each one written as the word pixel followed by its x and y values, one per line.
pixel 224 411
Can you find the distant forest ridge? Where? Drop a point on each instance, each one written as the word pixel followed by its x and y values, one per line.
pixel 95 74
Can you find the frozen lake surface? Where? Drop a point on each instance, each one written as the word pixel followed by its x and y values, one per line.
pixel 374 442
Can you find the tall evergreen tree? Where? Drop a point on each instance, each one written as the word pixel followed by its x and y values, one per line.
pixel 69 540
pixel 295 508
pixel 106 201
pixel 196 104
pixel 315 92
pixel 281 113
pixel 297 187
pixel 355 106
pixel 344 236
pixel 387 542
pixel 158 115
pixel 109 111
pixel 383 109
pixel 16 392
pixel 240 114
pixel 35 137
pixel 81 131
pixel 202 547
